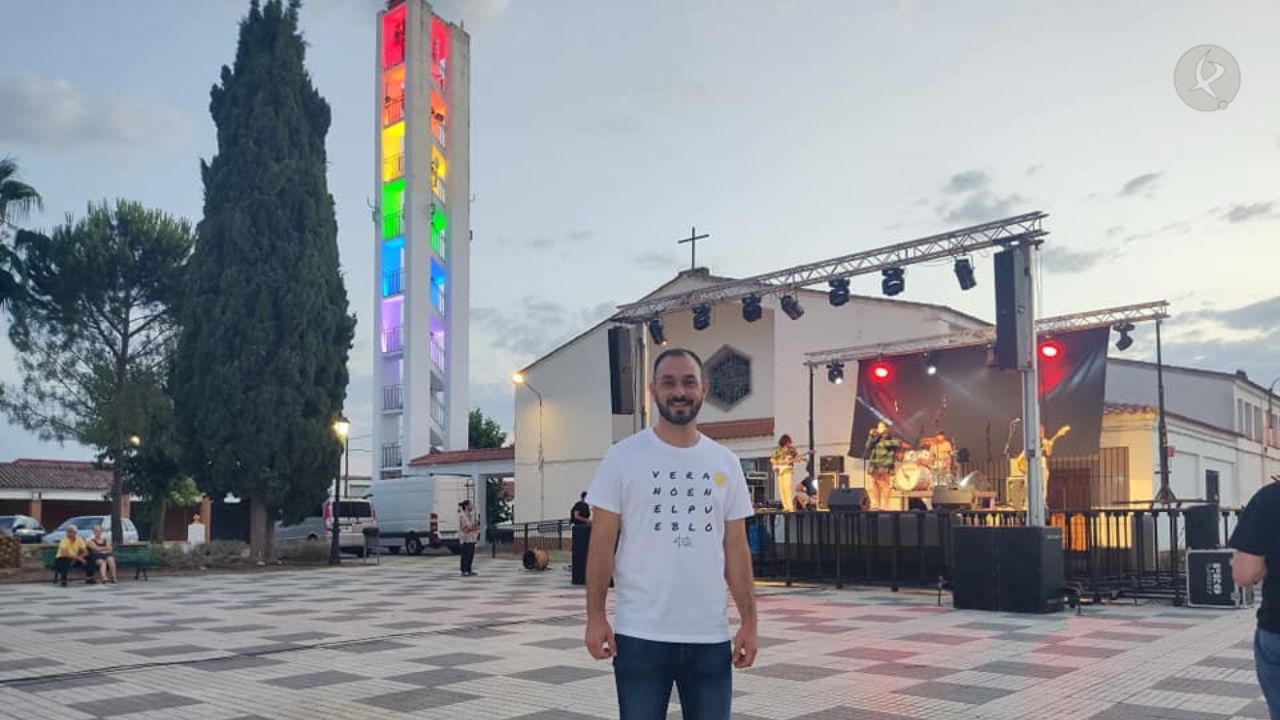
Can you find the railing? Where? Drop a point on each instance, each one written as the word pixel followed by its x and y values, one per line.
pixel 392 110
pixel 392 397
pixel 392 283
pixel 393 224
pixel 548 535
pixel 437 413
pixel 393 339
pixel 391 455
pixel 392 166
pixel 437 354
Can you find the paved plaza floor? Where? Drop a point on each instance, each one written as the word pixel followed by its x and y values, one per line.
pixel 409 638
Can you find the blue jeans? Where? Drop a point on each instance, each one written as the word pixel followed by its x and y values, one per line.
pixel 645 670
pixel 1266 662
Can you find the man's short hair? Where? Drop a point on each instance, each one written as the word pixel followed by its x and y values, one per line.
pixel 672 352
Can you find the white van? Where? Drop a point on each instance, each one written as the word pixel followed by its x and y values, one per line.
pixel 420 511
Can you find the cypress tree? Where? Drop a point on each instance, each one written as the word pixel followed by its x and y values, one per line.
pixel 261 364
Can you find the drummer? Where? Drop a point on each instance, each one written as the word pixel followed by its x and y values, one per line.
pixel 942 456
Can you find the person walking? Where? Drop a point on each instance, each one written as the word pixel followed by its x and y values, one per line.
pixel 1256 541
pixel 669 509
pixel 468 535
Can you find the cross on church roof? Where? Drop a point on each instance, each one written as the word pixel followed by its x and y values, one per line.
pixel 693 239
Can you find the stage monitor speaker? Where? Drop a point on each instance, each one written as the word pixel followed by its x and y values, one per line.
pixel 831 464
pixel 1202 526
pixel 973 568
pixel 849 499
pixel 949 498
pixel 1031 563
pixel 1013 292
pixel 826 483
pixel 622 387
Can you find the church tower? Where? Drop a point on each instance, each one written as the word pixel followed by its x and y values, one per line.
pixel 422 246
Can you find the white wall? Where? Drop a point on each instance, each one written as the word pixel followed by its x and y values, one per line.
pixel 1207 398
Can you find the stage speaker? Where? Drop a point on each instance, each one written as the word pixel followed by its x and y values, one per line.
pixel 1202 526
pixel 622 377
pixel 1209 581
pixel 831 464
pixel 1031 564
pixel 849 499
pixel 1013 297
pixel 826 483
pixel 973 568
pixel 949 498
pixel 1009 569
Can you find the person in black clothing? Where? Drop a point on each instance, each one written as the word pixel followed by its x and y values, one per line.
pixel 581 512
pixel 1256 541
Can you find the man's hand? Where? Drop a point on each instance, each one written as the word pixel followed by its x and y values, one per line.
pixel 745 645
pixel 600 642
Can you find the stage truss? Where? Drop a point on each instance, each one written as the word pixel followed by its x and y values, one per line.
pixel 1109 317
pixel 1008 232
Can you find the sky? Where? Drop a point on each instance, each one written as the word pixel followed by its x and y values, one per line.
pixel 790 130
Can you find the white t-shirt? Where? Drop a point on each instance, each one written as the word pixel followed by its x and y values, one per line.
pixel 669 567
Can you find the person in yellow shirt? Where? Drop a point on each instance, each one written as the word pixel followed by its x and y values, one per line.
pixel 71 551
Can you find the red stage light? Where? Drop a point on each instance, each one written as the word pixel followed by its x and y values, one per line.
pixel 881 371
pixel 1050 350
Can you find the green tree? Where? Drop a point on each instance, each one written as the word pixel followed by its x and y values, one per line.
pixel 154 470
pixel 17 200
pixel 483 432
pixel 261 367
pixel 95 320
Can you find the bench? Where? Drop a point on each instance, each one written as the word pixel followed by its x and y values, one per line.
pixel 136 556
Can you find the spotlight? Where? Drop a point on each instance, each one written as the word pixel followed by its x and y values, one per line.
pixel 1050 349
pixel 751 311
pixel 655 332
pixel 701 317
pixel 881 371
pixel 1125 341
pixel 894 281
pixel 791 307
pixel 839 293
pixel 930 364
pixel 964 273
pixel 835 372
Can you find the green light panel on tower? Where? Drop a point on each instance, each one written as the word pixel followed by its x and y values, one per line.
pixel 439 224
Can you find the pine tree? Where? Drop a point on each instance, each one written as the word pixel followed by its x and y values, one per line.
pixel 261 366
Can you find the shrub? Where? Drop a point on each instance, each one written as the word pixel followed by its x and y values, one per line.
pixel 216 554
pixel 304 551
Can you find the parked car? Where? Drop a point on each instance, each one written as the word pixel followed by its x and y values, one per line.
pixel 420 511
pixel 84 528
pixel 354 515
pixel 23 527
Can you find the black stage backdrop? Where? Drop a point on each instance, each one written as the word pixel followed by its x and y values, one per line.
pixel 975 404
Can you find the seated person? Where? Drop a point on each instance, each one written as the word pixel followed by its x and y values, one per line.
pixel 100 555
pixel 71 551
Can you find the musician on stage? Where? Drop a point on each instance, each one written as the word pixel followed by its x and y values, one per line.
pixel 784 459
pixel 880 457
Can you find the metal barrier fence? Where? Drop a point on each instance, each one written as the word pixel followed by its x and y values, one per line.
pixel 1107 553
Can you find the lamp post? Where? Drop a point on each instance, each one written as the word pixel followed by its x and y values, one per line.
pixel 520 379
pixel 341 428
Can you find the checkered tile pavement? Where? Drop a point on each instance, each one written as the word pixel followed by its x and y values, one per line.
pixel 410 638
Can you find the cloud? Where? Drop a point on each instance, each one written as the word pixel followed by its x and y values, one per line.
pixel 966 181
pixel 983 206
pixel 1258 356
pixel 1259 315
pixel 1034 169
pixel 545 243
pixel 1252 211
pixel 619 127
pixel 1114 230
pixel 53 113
pixel 656 260
pixel 1062 261
pixel 1144 183
pixel 534 326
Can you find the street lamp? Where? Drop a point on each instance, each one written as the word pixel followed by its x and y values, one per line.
pixel 341 428
pixel 520 379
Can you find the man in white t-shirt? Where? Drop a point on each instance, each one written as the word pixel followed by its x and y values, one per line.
pixel 673 503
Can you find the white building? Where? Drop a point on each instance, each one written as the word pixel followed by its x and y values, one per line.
pixel 758 390
pixel 759 386
pixel 421 110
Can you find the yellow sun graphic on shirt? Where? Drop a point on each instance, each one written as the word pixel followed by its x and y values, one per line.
pixel 720 479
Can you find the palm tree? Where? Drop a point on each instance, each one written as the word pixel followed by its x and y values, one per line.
pixel 17 200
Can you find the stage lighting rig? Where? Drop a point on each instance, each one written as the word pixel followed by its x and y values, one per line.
pixel 751 310
pixel 881 371
pixel 930 364
pixel 1125 340
pixel 701 317
pixel 894 282
pixel 1050 350
pixel 964 274
pixel 839 293
pixel 655 332
pixel 791 307
pixel 835 372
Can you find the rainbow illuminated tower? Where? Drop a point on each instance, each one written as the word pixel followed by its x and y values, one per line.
pixel 423 241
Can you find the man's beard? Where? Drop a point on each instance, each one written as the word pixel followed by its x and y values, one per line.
pixel 687 413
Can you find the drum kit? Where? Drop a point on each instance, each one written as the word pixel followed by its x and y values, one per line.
pixel 923 469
